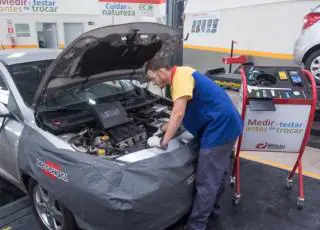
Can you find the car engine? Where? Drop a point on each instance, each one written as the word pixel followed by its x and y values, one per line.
pixel 109 129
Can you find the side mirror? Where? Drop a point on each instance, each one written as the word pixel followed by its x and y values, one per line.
pixel 4 112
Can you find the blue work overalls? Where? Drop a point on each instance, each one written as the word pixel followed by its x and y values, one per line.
pixel 212 117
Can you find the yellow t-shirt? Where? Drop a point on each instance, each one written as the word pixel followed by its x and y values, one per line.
pixel 182 83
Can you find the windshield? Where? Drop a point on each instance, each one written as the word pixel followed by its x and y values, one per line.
pixel 108 90
pixel 27 77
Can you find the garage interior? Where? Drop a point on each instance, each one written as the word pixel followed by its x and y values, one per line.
pixel 266 202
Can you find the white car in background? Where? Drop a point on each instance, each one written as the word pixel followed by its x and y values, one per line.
pixel 307 46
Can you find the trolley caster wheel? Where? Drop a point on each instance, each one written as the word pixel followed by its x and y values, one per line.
pixel 300 203
pixel 236 199
pixel 289 184
pixel 232 181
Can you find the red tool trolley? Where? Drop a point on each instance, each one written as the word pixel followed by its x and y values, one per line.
pixel 277 105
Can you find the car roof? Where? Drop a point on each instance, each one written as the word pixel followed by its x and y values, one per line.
pixel 17 56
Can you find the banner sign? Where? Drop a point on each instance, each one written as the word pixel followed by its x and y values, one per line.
pixel 127 9
pixel 28 6
pixel 276 131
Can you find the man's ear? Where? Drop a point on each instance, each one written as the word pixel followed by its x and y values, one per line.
pixel 165 73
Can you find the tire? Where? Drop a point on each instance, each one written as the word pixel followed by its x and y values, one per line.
pixel 311 62
pixel 67 219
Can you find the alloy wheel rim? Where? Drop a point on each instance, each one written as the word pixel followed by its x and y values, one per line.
pixel 315 68
pixel 47 208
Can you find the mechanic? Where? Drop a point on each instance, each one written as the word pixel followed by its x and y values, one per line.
pixel 208 113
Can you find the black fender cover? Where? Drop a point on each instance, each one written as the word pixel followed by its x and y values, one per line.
pixel 149 194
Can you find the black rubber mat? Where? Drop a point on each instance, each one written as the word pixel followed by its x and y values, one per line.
pixel 18 215
pixel 9 193
pixel 15 209
pixel 266 204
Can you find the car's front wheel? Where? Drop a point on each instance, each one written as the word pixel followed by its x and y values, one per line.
pixel 50 214
pixel 312 64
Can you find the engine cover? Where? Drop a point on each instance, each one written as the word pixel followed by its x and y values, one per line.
pixel 110 114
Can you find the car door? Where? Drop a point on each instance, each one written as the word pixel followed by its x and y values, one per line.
pixel 10 132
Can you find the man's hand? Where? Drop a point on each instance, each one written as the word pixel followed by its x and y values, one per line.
pixel 156 141
pixel 164 127
pixel 177 114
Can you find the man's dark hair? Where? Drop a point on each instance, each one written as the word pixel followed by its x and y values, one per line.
pixel 157 63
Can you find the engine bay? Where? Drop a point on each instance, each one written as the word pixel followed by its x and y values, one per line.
pixel 110 129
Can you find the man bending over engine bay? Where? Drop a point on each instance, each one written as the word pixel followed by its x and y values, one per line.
pixel 208 113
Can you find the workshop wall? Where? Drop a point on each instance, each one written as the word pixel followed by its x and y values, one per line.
pixel 198 5
pixel 265 29
pixel 30 39
pixel 23 23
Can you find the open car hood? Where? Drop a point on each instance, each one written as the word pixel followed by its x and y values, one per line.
pixel 107 53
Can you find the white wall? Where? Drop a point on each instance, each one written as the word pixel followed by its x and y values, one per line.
pixel 73 11
pixel 33 19
pixel 85 7
pixel 201 5
pixel 268 28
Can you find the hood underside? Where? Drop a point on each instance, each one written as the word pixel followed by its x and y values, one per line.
pixel 107 53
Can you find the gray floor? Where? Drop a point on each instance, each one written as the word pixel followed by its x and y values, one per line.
pixel 266 204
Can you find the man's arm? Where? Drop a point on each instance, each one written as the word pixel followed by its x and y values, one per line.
pixel 177 114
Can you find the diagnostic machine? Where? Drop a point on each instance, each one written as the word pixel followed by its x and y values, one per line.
pixel 277 105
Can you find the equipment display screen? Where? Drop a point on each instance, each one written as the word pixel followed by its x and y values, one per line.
pixel 295 77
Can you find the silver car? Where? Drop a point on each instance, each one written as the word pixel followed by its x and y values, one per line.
pixel 307 46
pixel 74 130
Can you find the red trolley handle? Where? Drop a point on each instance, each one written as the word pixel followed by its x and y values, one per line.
pixel 244 92
pixel 312 111
pixel 243 110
